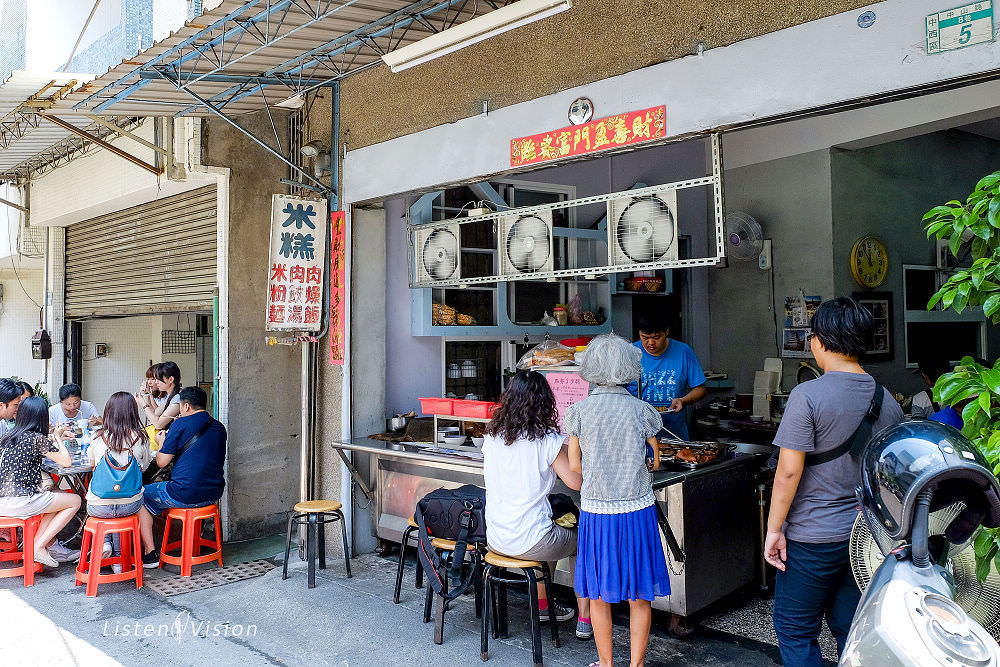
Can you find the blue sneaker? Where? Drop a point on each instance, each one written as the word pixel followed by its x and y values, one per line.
pixel 584 630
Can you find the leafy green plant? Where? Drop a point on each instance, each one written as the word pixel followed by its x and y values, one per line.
pixel 37 388
pixel 973 227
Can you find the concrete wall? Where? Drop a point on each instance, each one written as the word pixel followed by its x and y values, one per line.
pixel 791 199
pixel 22 295
pixel 885 190
pixel 263 381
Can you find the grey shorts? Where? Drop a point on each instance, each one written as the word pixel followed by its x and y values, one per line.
pixel 22 507
pixel 555 545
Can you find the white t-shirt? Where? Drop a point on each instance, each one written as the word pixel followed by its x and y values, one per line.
pixel 163 399
pixel 57 416
pixel 922 405
pixel 140 450
pixel 519 479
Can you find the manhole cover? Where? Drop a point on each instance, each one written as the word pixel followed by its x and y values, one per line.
pixel 167 586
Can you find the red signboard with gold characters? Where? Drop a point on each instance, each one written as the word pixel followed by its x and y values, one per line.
pixel 338 304
pixel 625 129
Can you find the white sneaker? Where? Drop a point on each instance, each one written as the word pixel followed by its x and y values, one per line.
pixel 116 568
pixel 62 554
pixel 106 551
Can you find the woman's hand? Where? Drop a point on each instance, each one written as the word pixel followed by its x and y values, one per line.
pixel 59 433
pixel 775 549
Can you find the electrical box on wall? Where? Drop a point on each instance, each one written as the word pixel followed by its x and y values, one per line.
pixel 41 345
pixel 100 349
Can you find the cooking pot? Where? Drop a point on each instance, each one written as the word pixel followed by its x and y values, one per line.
pixel 398 423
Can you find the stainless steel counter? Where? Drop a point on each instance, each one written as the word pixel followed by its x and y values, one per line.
pixel 712 511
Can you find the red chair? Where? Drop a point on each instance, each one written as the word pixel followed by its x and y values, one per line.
pixel 8 539
pixel 88 570
pixel 191 540
pixel 28 528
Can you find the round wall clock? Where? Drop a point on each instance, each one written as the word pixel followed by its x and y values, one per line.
pixel 869 261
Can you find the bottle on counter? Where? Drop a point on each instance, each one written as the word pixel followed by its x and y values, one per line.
pixel 559 312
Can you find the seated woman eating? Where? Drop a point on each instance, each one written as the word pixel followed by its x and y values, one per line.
pixel 22 449
pixel 522 454
pixel 123 439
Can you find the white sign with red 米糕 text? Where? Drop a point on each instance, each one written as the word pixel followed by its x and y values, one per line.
pixel 297 262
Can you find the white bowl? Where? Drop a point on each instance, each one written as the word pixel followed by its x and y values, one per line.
pixel 478 442
pixel 454 439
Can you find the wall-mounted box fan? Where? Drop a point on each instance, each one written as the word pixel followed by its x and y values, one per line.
pixel 643 229
pixel 526 243
pixel 437 255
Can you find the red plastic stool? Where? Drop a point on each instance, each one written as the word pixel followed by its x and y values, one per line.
pixel 8 539
pixel 28 528
pixel 92 559
pixel 191 540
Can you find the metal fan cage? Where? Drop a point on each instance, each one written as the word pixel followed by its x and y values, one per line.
pixel 981 600
pixel 744 236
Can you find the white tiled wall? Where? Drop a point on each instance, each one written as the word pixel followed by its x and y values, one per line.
pixel 18 321
pixel 133 344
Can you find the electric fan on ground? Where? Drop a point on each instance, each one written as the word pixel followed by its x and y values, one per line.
pixel 980 599
pixel 643 229
pixel 744 236
pixel 527 243
pixel 437 254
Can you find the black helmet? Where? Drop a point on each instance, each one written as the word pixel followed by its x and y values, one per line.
pixel 917 455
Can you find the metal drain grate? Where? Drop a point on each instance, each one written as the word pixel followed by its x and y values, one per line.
pixel 167 586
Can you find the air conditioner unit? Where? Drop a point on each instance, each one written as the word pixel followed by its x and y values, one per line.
pixel 642 229
pixel 526 243
pixel 436 254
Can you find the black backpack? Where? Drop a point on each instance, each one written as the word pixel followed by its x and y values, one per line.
pixel 453 514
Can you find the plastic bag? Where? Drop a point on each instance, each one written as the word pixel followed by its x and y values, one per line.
pixel 548 353
pixel 575 309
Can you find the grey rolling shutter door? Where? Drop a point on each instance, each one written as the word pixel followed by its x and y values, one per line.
pixel 156 257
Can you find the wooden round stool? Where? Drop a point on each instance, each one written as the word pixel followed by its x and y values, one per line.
pixel 315 514
pixel 495 580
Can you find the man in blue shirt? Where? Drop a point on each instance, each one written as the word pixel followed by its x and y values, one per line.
pixel 196 479
pixel 671 376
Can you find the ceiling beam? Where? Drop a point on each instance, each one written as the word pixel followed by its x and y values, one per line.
pixel 125 155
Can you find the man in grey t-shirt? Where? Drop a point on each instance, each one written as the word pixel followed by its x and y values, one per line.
pixel 814 506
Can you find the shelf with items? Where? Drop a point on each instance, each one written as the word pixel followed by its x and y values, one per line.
pixel 621 282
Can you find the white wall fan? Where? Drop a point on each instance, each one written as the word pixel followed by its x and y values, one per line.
pixel 745 240
pixel 437 255
pixel 526 243
pixel 643 229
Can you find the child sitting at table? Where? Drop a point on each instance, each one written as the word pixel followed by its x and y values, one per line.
pixel 123 438
pixel 22 449
pixel 619 554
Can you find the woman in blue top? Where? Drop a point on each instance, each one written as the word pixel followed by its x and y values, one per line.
pixel 671 377
pixel 619 555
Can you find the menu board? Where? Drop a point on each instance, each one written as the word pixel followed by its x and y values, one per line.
pixel 296 263
pixel 569 388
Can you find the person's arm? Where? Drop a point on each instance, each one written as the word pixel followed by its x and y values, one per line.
pixel 161 419
pixel 571 477
pixel 61 456
pixel 574 455
pixel 655 444
pixel 791 463
pixel 689 398
pixel 162 458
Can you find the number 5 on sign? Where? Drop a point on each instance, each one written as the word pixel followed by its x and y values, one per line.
pixel 960 27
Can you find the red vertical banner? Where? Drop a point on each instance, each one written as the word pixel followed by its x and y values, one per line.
pixel 338 290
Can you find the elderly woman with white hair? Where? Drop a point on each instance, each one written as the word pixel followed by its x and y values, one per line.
pixel 619 555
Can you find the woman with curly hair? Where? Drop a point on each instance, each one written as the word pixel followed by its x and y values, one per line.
pixel 522 455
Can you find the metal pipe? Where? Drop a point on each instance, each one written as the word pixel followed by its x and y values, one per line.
pixel 215 354
pixel 304 443
pixel 103 144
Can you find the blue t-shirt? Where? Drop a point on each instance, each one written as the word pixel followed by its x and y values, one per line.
pixel 666 377
pixel 948 415
pixel 197 474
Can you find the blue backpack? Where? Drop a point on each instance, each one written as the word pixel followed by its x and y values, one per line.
pixel 111 481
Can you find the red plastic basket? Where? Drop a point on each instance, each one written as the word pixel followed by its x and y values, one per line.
pixel 573 342
pixel 474 409
pixel 436 406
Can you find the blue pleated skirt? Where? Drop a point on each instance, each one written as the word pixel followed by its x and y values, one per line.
pixel 620 557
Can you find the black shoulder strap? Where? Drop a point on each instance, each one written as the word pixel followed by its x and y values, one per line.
pixel 862 434
pixel 194 438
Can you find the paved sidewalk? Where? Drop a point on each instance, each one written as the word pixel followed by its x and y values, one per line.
pixel 266 621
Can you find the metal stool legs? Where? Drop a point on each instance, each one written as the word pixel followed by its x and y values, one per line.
pixel 315 523
pixel 494 621
pixel 402 563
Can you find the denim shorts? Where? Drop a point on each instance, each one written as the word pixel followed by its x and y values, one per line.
pixel 114 511
pixel 157 500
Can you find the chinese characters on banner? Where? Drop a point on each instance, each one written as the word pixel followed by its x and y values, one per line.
pixel 337 291
pixel 568 388
pixel 295 275
pixel 622 130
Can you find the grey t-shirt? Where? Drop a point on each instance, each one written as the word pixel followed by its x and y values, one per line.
pixel 821 414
